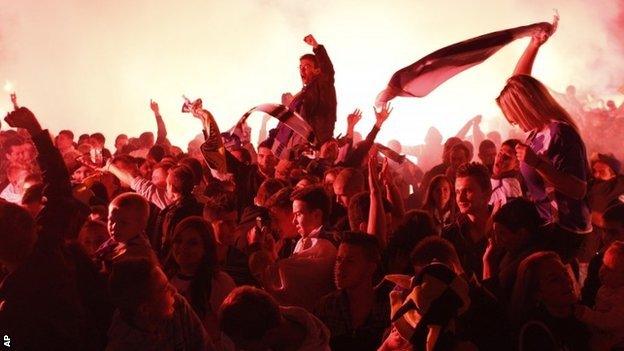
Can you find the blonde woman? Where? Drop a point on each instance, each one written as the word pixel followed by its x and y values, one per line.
pixel 553 157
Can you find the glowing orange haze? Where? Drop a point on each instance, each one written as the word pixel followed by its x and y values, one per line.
pixel 94 65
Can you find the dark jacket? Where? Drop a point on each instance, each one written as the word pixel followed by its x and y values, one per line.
pixel 40 302
pixel 470 253
pixel 316 103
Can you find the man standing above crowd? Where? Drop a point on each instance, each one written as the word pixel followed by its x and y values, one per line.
pixel 316 102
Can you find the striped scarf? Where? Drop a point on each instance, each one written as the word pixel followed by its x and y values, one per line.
pixel 426 74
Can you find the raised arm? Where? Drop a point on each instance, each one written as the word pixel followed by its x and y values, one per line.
pixel 326 66
pixel 53 219
pixel 541 35
pixel 161 137
pixel 376 214
pixel 359 153
pixel 464 129
pixel 392 192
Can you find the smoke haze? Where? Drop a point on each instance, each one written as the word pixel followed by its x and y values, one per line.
pixel 94 65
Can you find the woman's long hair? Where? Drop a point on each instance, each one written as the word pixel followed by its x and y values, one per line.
pixel 201 284
pixel 522 298
pixel 525 100
pixel 429 204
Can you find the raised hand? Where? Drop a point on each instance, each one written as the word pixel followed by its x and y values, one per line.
pixel 154 107
pixel 23 118
pixel 383 114
pixel 542 34
pixel 309 39
pixel 477 119
pixel 373 170
pixel 354 117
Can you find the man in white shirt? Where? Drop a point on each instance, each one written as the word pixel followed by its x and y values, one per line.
pixel 307 275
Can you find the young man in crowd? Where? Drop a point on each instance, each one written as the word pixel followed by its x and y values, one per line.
pixel 128 214
pixel 281 212
pixel 270 326
pixel 469 232
pixel 505 174
pixel 306 275
pixel 357 314
pixel 487 154
pixel 266 160
pixel 348 183
pixel 316 102
pixel 180 184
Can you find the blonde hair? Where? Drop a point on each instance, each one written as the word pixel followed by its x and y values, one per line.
pixel 525 100
pixel 522 297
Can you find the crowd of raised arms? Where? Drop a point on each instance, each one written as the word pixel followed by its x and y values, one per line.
pixel 486 243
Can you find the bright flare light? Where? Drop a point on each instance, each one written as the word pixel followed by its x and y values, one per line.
pixel 8 86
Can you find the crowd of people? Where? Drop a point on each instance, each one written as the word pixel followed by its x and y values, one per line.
pixel 485 243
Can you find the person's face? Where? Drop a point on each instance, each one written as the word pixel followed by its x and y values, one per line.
pixel 505 160
pixel 611 105
pixel 329 151
pixel 509 240
pixel 29 152
pixel 159 177
pixel 123 223
pixel 282 170
pixel 63 142
pixel 469 196
pixel 602 171
pixel 266 161
pixel 612 270
pixel 92 239
pixel 514 121
pixel 342 192
pixel 302 183
pixel 146 169
pixel 555 286
pixel 442 194
pixel 81 173
pixel 238 154
pixel 17 155
pixel 121 142
pixel 488 156
pixel 283 220
pixel 458 158
pixel 160 302
pixel 188 248
pixel 224 228
pixel 305 220
pixel 328 183
pixel 613 231
pixel 308 70
pixel 352 268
